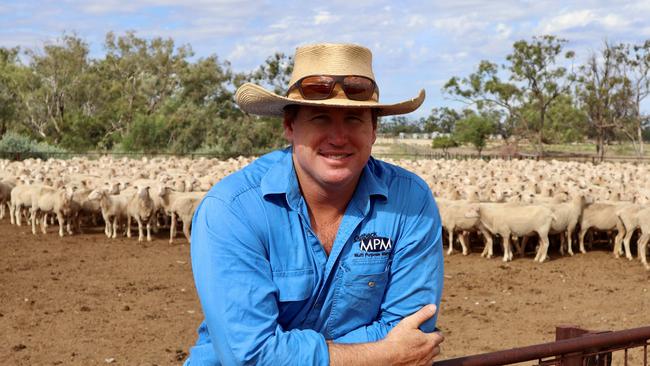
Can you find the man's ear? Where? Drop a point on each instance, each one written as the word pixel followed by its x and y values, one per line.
pixel 287 123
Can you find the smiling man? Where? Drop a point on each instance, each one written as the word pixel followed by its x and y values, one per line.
pixel 319 254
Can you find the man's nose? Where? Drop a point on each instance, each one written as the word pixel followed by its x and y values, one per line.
pixel 338 133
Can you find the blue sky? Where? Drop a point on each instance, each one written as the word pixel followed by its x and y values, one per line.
pixel 415 44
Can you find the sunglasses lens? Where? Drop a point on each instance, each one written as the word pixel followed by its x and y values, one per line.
pixel 358 88
pixel 317 87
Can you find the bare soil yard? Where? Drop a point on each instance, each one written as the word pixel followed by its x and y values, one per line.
pixel 88 300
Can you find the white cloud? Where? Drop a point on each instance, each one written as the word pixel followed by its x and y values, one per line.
pixel 581 19
pixel 504 31
pixel 613 21
pixel 460 25
pixel 324 17
pixel 416 20
pixel 569 20
pixel 283 23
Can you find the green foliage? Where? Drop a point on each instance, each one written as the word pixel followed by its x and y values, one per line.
pixel 444 143
pixel 534 65
pixel 13 145
pixel 395 125
pixel 248 136
pixel 441 120
pixel 148 134
pixel 566 123
pixel 475 129
pixel 275 73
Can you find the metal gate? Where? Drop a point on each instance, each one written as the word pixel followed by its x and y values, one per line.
pixel 573 347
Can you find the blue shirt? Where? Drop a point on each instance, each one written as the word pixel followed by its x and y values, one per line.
pixel 269 292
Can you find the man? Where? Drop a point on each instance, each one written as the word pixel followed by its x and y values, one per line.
pixel 319 254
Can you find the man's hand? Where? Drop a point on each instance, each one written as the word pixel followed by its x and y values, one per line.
pixel 405 344
pixel 409 345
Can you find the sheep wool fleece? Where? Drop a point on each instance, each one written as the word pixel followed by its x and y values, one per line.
pixel 269 292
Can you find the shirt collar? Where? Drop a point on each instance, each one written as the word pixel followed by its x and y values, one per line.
pixel 281 179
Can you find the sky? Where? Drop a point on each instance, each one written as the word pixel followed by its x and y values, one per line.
pixel 415 44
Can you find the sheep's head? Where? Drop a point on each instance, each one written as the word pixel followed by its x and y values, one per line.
pixel 143 191
pixel 96 194
pixel 112 187
pixel 162 190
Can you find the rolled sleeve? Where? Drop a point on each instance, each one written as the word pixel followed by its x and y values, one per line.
pixel 234 282
pixel 416 274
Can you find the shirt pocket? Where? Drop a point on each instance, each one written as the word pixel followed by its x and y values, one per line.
pixel 297 285
pixel 358 300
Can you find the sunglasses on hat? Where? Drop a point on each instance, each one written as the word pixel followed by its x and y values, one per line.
pixel 318 87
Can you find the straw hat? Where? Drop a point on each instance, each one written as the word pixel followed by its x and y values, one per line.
pixel 322 59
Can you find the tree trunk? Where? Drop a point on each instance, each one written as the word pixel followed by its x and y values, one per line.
pixel 601 145
pixel 639 133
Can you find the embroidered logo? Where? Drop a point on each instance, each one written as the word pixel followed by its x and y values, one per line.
pixel 373 243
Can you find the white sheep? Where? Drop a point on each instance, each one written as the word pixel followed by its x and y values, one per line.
pixel 141 208
pixel 601 217
pixel 51 200
pixel 113 209
pixel 181 205
pixel 6 186
pixel 508 219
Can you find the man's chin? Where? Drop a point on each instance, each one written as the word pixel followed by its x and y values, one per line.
pixel 338 180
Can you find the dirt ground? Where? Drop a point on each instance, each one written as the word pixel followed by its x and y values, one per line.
pixel 87 300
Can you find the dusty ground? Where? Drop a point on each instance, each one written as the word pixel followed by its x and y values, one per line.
pixel 86 300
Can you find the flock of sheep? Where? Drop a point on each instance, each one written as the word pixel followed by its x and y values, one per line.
pixel 520 199
pixel 78 192
pixel 513 200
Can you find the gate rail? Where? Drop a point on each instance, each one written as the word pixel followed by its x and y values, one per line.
pixel 586 349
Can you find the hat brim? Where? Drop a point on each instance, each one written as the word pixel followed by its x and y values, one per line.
pixel 254 99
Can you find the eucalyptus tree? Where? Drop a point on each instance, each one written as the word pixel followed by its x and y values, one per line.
pixel 10 67
pixel 633 64
pixel 604 95
pixel 533 66
pixel 475 128
pixel 484 90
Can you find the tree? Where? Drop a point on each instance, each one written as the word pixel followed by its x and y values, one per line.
pixel 444 143
pixel 441 120
pixel 604 95
pixel 633 64
pixel 139 76
pixel 275 73
pixel 533 65
pixel 475 129
pixel 9 68
pixel 398 124
pixel 50 92
pixel 485 91
pixel 566 122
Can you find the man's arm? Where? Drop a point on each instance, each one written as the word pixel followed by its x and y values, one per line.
pixel 416 273
pixel 238 296
pixel 405 344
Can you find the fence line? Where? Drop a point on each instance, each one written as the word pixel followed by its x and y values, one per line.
pixel 597 346
pixel 410 152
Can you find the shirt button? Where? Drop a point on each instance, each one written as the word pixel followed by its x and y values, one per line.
pixel 371 284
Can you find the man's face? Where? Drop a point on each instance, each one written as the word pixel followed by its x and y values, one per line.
pixel 331 145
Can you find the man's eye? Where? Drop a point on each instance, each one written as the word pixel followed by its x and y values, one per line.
pixel 354 119
pixel 319 119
